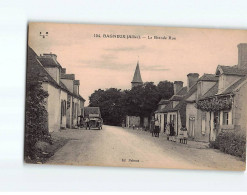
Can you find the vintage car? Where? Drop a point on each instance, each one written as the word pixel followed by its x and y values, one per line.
pixel 95 123
pixel 90 123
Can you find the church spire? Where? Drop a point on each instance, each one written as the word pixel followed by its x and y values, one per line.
pixel 137 79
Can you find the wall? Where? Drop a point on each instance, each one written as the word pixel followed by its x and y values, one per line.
pixel 161 119
pixel 145 122
pixel 225 81
pixel 191 111
pixel 69 112
pixel 75 112
pixel 199 136
pixel 132 120
pixel 54 72
pixel 175 124
pixel 203 87
pixel 240 109
pixel 53 108
pixel 69 84
pixel 63 97
pixel 174 103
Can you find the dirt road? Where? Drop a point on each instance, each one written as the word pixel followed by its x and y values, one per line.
pixel 115 146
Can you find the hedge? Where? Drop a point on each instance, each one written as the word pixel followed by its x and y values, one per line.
pixel 229 142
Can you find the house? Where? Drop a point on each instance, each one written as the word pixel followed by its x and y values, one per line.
pixel 64 103
pixel 193 115
pixel 92 112
pixel 175 111
pixel 161 115
pixel 223 106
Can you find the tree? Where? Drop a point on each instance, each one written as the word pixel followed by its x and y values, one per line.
pixel 165 89
pixel 110 103
pixel 36 127
pixel 140 101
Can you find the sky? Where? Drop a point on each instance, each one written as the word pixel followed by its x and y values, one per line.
pixel 100 62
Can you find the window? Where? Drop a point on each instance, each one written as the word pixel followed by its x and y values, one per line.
pixel 225 118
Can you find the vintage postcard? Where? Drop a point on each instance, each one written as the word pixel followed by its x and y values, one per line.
pixel 136 96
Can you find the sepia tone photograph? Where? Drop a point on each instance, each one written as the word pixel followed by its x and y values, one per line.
pixel 136 96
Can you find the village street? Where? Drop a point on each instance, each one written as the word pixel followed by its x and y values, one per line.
pixel 116 146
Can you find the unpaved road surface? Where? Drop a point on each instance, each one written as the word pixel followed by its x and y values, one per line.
pixel 115 146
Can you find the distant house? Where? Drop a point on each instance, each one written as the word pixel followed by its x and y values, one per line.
pixel 92 112
pixel 64 103
pixel 160 114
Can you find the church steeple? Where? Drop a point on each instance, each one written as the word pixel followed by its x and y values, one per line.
pixel 137 79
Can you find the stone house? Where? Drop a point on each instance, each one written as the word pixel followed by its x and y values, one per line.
pixel 193 115
pixel 175 110
pixel 161 115
pixel 64 103
pixel 223 106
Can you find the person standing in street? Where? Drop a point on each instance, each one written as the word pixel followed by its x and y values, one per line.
pixel 87 123
pixel 157 127
pixel 172 132
pixel 152 126
pixel 167 131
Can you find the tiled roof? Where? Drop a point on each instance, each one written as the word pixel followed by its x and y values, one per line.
pixel 76 82
pixel 35 64
pixel 167 108
pixel 211 92
pixel 182 91
pixel 68 76
pixel 231 70
pixel 63 85
pixel 91 110
pixel 176 98
pixel 182 103
pixel 208 77
pixel 37 67
pixel 48 61
pixel 231 88
pixel 214 90
pixel 163 101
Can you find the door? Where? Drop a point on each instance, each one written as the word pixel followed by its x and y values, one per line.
pixel 192 127
pixel 175 124
pixel 165 121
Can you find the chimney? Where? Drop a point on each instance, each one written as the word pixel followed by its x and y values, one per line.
pixel 63 71
pixel 51 55
pixel 76 86
pixel 49 61
pixel 242 55
pixel 191 80
pixel 177 86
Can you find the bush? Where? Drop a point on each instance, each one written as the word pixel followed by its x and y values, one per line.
pixel 229 142
pixel 36 124
pixel 214 144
